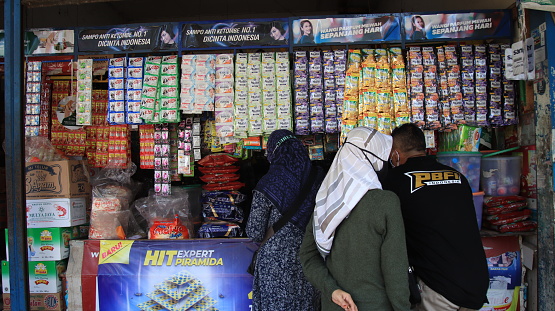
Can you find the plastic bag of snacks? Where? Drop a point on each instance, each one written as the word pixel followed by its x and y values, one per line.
pixel 111 196
pixel 217 159
pixel 159 211
pixel 40 149
pixel 223 206
pixel 168 229
pixel 219 229
pixel 508 214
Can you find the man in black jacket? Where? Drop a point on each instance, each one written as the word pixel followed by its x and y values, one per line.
pixel 443 239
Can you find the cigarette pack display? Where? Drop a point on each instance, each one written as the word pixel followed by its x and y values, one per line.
pixel 83 111
pixel 33 96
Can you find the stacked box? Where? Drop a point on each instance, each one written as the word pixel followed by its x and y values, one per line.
pixel 169 90
pixel 445 105
pixel 383 91
pixel 283 92
pixel 162 155
pixel 416 85
pixel 468 83
pixel 254 94
pixel 150 105
pixel 349 117
pixel 33 99
pixel 454 84
pixel 302 111
pixel 116 89
pixel 368 112
pixel 509 110
pixel 401 108
pixel 146 141
pixel 495 72
pixel 133 90
pixel 481 81
pixel 269 92
pixel 185 157
pixel 315 92
pixel 431 88
pixel 48 243
pixel 45 277
pixel 224 97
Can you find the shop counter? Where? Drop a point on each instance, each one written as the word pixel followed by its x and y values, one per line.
pixel 196 274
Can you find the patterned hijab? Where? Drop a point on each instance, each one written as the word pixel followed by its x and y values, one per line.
pixel 351 175
pixel 289 169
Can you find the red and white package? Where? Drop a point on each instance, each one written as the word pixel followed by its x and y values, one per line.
pixel 217 159
pixel 505 208
pixel 219 169
pixel 168 229
pixel 521 226
pixel 219 178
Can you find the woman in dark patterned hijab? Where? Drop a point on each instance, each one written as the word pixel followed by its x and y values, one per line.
pixel 279 283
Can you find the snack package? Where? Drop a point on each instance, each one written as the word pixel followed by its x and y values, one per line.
pixel 217 159
pixel 183 203
pixel 111 197
pixel 521 226
pixel 40 149
pixel 109 225
pixel 168 229
pixel 220 229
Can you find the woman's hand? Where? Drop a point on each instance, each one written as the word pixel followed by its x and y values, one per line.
pixel 344 300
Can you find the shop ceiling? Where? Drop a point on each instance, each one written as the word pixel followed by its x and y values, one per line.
pixel 90 13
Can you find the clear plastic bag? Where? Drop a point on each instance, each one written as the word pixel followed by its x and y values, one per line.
pixel 160 209
pixel 40 149
pixel 112 194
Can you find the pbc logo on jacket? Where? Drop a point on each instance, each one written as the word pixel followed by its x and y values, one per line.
pixel 421 179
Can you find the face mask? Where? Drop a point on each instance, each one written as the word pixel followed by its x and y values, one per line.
pixel 398 160
pixel 382 173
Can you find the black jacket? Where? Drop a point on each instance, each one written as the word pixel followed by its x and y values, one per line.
pixel 443 238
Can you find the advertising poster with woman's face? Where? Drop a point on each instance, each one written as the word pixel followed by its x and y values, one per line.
pixel 235 34
pixel 475 25
pixel 169 36
pixel 345 30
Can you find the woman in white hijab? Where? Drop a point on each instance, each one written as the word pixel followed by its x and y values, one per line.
pixel 354 249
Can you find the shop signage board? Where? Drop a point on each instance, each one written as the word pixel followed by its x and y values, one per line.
pixel 129 38
pixel 49 41
pixel 448 26
pixel 167 274
pixel 347 29
pixel 225 34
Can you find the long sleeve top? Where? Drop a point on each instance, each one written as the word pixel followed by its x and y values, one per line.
pixel 368 258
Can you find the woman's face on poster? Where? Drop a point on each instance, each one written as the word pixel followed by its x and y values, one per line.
pixel 166 38
pixel 307 28
pixel 276 34
pixel 419 23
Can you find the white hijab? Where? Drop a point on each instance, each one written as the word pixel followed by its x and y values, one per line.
pixel 351 175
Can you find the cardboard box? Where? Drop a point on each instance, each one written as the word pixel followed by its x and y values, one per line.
pixel 44 276
pixel 53 302
pixel 48 243
pixel 49 213
pixel 57 179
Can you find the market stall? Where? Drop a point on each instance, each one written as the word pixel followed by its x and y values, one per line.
pixel 166 124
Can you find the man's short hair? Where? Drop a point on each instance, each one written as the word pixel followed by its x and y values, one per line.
pixel 409 137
